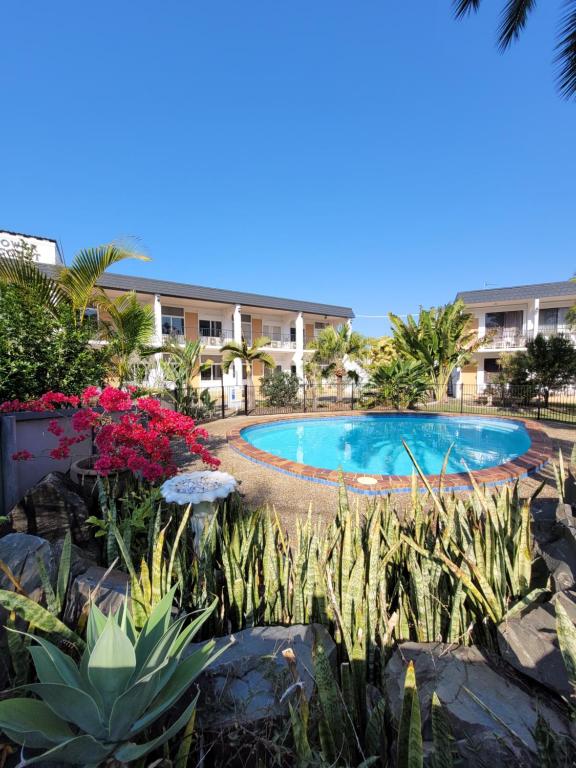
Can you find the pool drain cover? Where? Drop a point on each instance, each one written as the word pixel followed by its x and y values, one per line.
pixel 366 480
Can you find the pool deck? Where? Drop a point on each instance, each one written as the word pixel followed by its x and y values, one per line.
pixel 292 496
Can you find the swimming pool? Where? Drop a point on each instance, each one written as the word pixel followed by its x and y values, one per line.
pixel 368 448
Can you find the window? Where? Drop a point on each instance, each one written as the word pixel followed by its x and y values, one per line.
pixel 210 328
pixel 279 368
pixel 91 317
pixel 548 319
pixel 491 365
pixel 214 372
pixel 508 323
pixel 495 321
pixel 319 327
pixel 293 334
pixel 293 370
pixel 172 321
pixel 246 321
pixel 273 332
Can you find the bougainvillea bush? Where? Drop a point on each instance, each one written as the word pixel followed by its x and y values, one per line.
pixel 129 433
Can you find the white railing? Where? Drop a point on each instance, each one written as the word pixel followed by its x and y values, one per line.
pixel 506 339
pixel 175 338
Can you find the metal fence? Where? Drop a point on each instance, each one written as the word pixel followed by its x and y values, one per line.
pixel 508 400
pixel 525 401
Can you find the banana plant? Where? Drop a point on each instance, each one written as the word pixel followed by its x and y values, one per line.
pixel 99 709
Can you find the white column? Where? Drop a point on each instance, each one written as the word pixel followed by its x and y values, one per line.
pixel 299 354
pixel 457 381
pixel 536 317
pixel 237 330
pixel 156 375
pixel 158 318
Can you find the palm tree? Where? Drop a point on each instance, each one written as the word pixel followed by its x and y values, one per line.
pixel 74 286
pixel 129 331
pixel 249 355
pixel 513 21
pixel 441 340
pixel 181 366
pixel 333 347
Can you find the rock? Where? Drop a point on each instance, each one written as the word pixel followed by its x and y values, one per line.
pixel 246 683
pixel 556 544
pixel 51 508
pixel 530 644
pixel 458 675
pixel 111 592
pixel 21 552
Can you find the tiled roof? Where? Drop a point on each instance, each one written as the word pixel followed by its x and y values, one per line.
pixel 518 292
pixel 175 290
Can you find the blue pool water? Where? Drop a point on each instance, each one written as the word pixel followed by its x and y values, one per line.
pixel 372 444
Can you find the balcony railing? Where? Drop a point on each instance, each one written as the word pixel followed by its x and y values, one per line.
pixel 173 338
pixel 556 330
pixel 506 339
pixel 281 341
pixel 216 340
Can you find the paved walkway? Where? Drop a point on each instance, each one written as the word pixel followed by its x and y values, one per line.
pixel 292 496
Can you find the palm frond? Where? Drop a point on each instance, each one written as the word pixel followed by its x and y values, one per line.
pixel 566 52
pixel 514 19
pixel 464 7
pixel 88 266
pixel 25 274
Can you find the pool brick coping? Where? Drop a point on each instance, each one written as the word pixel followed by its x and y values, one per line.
pixel 539 453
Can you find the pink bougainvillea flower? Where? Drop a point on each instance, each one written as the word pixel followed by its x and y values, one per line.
pixel 90 395
pixel 22 456
pixel 113 399
pixel 139 438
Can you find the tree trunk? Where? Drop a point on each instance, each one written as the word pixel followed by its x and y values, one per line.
pixel 339 388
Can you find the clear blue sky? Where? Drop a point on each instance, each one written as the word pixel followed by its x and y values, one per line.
pixel 374 154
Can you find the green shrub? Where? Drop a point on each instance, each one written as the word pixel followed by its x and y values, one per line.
pixel 280 389
pixel 40 352
pixel 401 384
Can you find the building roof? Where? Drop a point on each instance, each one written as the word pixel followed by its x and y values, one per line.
pixel 24 234
pixel 518 292
pixel 175 290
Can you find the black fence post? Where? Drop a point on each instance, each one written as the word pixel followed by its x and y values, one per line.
pixel 223 405
pixel 304 393
pixel 538 407
pixel 245 399
pixel 461 398
pixel 352 398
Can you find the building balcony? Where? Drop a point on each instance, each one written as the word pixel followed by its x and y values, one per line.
pixel 557 330
pixel 505 340
pixel 211 340
pixel 173 338
pixel 281 341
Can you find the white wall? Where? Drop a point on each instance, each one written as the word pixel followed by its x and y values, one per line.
pixel 47 251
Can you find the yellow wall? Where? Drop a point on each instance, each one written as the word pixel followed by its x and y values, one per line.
pixel 469 375
pixel 191 325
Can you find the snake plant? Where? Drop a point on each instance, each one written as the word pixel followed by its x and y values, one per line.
pixel 100 709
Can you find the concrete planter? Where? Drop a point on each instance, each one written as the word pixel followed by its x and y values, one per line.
pixel 28 431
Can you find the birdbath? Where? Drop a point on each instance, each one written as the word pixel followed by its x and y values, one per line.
pixel 202 490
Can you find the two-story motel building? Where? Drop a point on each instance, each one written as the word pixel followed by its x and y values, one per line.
pixel 509 317
pixel 212 315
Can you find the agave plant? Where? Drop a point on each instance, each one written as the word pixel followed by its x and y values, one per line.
pixel 98 710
